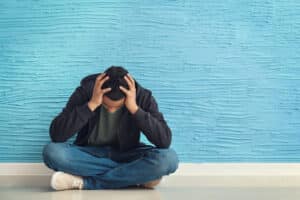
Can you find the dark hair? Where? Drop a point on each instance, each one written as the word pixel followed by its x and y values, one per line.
pixel 116 78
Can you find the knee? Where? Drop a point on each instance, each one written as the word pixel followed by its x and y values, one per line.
pixel 167 161
pixel 55 154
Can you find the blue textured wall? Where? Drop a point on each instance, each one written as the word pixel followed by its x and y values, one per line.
pixel 225 73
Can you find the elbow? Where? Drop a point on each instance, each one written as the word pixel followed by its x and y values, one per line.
pixel 165 142
pixel 54 135
pixel 164 145
pixel 54 138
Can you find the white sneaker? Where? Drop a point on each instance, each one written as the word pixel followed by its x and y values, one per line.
pixel 65 181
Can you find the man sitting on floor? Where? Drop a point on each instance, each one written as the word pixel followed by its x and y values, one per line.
pixel 108 111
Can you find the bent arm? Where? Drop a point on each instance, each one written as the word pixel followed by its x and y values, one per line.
pixel 152 123
pixel 73 117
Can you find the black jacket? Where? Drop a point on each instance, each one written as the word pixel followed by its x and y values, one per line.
pixel 76 117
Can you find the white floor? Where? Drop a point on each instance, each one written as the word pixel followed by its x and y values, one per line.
pixel 173 187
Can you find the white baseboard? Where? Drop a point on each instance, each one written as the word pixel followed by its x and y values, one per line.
pixel 184 169
pixel 239 169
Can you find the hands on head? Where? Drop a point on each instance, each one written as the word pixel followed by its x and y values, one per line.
pixel 98 93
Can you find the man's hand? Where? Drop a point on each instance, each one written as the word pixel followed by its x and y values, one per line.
pixel 130 101
pixel 98 93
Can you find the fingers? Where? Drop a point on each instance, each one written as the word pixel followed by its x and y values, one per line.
pixel 133 83
pixel 101 79
pixel 124 90
pixel 100 76
pixel 129 81
pixel 130 77
pixel 106 90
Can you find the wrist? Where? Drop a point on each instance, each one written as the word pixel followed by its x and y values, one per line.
pixel 134 109
pixel 92 105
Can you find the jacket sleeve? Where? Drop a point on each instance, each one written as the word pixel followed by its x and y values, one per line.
pixel 152 123
pixel 72 118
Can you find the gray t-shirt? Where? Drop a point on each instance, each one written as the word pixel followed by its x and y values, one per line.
pixel 105 132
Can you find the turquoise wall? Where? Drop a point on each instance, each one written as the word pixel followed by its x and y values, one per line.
pixel 225 74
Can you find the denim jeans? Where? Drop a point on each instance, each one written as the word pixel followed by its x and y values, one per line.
pixel 106 168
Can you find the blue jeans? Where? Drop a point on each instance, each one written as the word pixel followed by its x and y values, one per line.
pixel 106 168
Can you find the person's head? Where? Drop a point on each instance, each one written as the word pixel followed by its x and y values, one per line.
pixel 115 98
